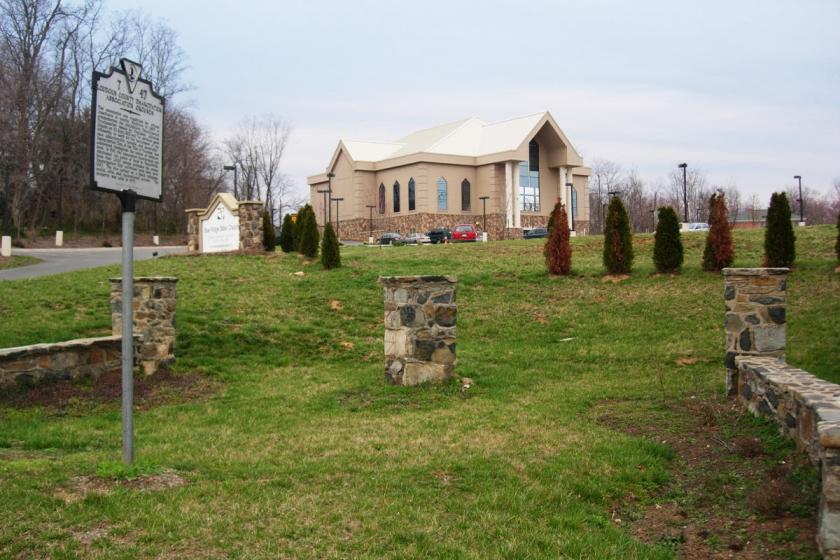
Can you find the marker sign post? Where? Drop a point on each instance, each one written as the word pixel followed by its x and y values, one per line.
pixel 126 158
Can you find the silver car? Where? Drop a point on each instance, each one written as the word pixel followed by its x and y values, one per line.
pixel 417 238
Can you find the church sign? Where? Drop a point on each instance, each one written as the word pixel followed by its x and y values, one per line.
pixel 220 231
pixel 225 225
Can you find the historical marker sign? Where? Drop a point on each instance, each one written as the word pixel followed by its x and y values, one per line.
pixel 126 133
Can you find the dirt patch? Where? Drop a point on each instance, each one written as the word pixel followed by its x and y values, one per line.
pixel 164 387
pixel 82 486
pixel 729 496
pixel 615 278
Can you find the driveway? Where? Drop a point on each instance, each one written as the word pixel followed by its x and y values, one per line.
pixel 57 261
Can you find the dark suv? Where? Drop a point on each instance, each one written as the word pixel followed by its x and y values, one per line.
pixel 439 235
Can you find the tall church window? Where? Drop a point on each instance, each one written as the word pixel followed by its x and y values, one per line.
pixel 529 180
pixel 381 198
pixel 465 196
pixel 412 195
pixel 396 196
pixel 442 194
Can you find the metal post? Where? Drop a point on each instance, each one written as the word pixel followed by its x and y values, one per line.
pixel 325 192
pixel 235 186
pixel 370 208
pixel 330 176
pixel 801 201
pixel 484 210
pixel 129 199
pixel 8 205
pixel 337 200
pixel 684 166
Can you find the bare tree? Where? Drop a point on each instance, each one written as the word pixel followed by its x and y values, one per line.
pixel 606 176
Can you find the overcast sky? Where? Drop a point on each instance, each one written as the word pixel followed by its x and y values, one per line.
pixel 747 91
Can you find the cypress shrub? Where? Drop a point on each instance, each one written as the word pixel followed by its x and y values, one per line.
pixel 668 247
pixel 837 243
pixel 308 233
pixel 269 235
pixel 287 234
pixel 558 251
pixel 330 253
pixel 718 252
pixel 779 239
pixel 618 241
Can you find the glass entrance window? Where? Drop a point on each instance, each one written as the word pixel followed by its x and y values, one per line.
pixel 529 180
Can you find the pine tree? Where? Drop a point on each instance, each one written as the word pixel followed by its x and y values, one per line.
pixel 330 252
pixel 718 252
pixel 618 241
pixel 668 247
pixel 269 235
pixel 558 251
pixel 779 239
pixel 303 215
pixel 309 237
pixel 287 235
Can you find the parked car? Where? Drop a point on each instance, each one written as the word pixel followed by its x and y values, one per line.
pixel 535 233
pixel 464 232
pixel 390 238
pixel 696 226
pixel 417 238
pixel 439 235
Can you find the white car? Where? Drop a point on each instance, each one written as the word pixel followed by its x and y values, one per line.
pixel 417 238
pixel 695 226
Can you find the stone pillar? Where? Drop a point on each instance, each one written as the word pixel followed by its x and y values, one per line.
pixel 192 230
pixel 420 313
pixel 755 316
pixel 250 226
pixel 154 319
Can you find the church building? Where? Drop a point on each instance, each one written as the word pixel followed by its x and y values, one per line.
pixel 512 171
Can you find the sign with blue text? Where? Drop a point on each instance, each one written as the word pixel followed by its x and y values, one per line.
pixel 126 133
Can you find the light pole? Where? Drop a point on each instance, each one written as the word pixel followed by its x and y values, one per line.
pixel 337 200
pixel 8 202
pixel 801 202
pixel 370 208
pixel 235 186
pixel 572 193
pixel 684 166
pixel 325 192
pixel 330 176
pixel 653 213
pixel 483 200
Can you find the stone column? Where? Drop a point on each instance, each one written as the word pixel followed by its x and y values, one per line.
pixel 154 319
pixel 250 226
pixel 420 313
pixel 193 244
pixel 755 316
pixel 561 188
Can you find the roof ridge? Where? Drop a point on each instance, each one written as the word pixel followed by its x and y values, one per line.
pixel 454 130
pixel 518 118
pixel 372 141
pixel 438 126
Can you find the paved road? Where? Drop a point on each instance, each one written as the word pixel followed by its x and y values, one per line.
pixel 57 261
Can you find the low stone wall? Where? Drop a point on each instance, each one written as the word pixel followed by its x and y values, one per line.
pixel 805 408
pixel 154 319
pixel 193 229
pixel 27 366
pixel 420 317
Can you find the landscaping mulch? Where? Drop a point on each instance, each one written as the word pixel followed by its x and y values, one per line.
pixel 729 496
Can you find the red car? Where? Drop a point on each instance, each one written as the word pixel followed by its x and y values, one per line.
pixel 464 232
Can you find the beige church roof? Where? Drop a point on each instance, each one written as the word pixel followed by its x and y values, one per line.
pixel 468 137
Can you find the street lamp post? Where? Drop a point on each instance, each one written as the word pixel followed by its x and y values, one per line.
pixel 801 202
pixel 370 208
pixel 684 166
pixel 235 186
pixel 325 192
pixel 8 203
pixel 330 176
pixel 337 200
pixel 483 200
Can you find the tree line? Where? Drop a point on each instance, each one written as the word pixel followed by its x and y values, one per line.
pixel 48 52
pixel 642 200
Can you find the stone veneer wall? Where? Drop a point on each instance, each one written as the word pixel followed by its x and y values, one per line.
pixel 358 229
pixel 192 230
pixel 420 317
pixel 154 319
pixel 251 226
pixel 27 366
pixel 805 408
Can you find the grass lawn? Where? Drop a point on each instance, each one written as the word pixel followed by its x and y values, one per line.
pixel 305 452
pixel 17 260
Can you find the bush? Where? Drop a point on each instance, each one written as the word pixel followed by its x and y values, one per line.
pixel 718 252
pixel 330 253
pixel 558 251
pixel 837 243
pixel 269 235
pixel 287 234
pixel 668 247
pixel 779 239
pixel 618 241
pixel 308 230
